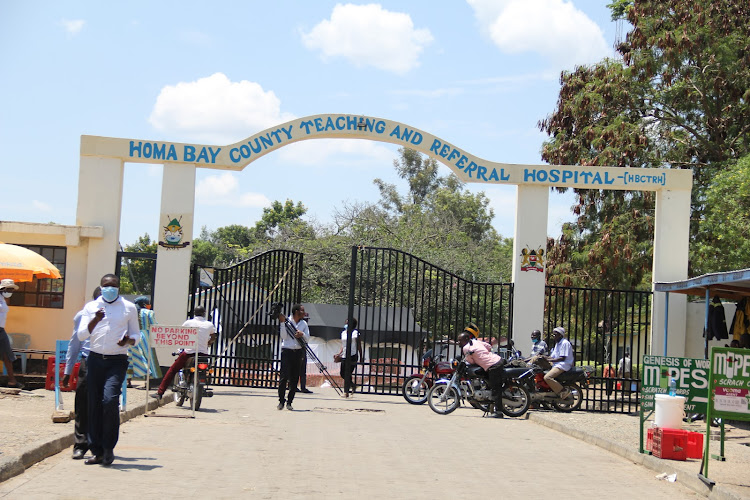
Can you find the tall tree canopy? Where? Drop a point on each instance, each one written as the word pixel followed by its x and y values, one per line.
pixel 678 99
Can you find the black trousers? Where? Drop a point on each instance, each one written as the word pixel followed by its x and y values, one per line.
pixel 290 366
pixel 105 377
pixel 82 409
pixel 497 380
pixel 302 372
pixel 347 370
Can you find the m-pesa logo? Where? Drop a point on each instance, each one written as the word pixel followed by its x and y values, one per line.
pixel 732 364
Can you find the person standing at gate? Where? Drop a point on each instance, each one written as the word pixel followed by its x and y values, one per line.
pixel 291 352
pixel 348 363
pixel 139 353
pixel 111 323
pixel 75 346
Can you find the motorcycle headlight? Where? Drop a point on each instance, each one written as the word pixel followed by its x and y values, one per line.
pixel 454 363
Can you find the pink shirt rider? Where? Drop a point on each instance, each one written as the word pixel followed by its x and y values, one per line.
pixel 480 353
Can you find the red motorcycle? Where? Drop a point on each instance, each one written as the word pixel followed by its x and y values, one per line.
pixel 435 367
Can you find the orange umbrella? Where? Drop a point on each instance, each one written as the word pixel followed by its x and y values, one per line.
pixel 21 264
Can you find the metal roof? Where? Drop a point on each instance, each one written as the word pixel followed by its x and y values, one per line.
pixel 731 285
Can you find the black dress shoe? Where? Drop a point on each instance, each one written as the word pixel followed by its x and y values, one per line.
pixel 95 460
pixel 108 457
pixel 78 454
pixel 306 391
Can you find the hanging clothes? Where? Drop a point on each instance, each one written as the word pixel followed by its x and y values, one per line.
pixel 717 321
pixel 741 320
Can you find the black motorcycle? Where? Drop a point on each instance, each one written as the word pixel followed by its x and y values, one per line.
pixel 183 384
pixel 471 383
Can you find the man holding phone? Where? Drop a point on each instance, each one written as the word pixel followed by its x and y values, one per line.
pixel 111 323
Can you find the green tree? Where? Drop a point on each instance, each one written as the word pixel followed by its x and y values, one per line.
pixel 727 220
pixel 136 275
pixel 277 216
pixel 679 99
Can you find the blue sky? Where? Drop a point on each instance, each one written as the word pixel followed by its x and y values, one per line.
pixel 477 73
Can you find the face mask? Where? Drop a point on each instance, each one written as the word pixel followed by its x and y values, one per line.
pixel 536 341
pixel 110 293
pixel 7 295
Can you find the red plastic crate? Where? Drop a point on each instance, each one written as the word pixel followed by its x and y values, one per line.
pixel 50 382
pixel 694 445
pixel 649 438
pixel 670 444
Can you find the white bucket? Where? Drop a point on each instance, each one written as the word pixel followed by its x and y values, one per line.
pixel 669 411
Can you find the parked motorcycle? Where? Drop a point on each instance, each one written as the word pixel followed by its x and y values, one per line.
pixel 183 384
pixel 542 394
pixel 417 386
pixel 471 383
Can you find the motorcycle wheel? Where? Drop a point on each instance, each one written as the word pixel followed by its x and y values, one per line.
pixel 179 393
pixel 198 396
pixel 516 400
pixel 415 390
pixel 573 402
pixel 450 403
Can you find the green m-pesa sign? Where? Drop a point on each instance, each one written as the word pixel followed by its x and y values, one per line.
pixel 730 383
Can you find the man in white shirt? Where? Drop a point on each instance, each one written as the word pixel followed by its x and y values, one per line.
pixel 206 337
pixel 291 354
pixel 111 325
pixel 348 363
pixel 562 358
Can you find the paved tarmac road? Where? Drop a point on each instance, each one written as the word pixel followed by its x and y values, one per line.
pixel 240 446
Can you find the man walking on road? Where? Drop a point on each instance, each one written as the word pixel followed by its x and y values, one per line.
pixel 111 322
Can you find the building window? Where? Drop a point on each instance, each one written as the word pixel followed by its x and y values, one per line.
pixel 43 292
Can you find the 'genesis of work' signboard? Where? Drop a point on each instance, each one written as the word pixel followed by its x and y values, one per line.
pixel 173 337
pixel 691 378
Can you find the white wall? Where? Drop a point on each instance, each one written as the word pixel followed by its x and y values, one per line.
pixel 694 341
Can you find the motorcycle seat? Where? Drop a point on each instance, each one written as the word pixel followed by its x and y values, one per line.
pixel 575 373
pixel 515 372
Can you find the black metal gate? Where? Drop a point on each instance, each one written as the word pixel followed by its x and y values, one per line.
pixel 405 306
pixel 604 327
pixel 237 300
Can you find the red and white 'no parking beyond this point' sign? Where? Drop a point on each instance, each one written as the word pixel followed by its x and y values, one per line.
pixel 174 336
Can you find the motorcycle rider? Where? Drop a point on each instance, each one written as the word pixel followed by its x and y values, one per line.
pixel 540 347
pixel 562 358
pixel 206 337
pixel 480 353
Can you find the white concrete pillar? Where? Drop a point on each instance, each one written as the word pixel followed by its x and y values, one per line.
pixel 528 276
pixel 671 237
pixel 175 248
pixel 100 204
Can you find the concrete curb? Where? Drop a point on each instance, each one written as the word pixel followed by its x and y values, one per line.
pixel 690 480
pixel 15 465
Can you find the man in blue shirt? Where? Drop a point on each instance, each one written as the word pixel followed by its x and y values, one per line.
pixel 562 358
pixel 75 347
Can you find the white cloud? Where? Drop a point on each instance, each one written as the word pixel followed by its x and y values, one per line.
pixel 73 27
pixel 224 189
pixel 41 206
pixel 554 29
pixel 368 35
pixel 216 110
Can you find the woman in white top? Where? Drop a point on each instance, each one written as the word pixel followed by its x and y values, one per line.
pixel 348 363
